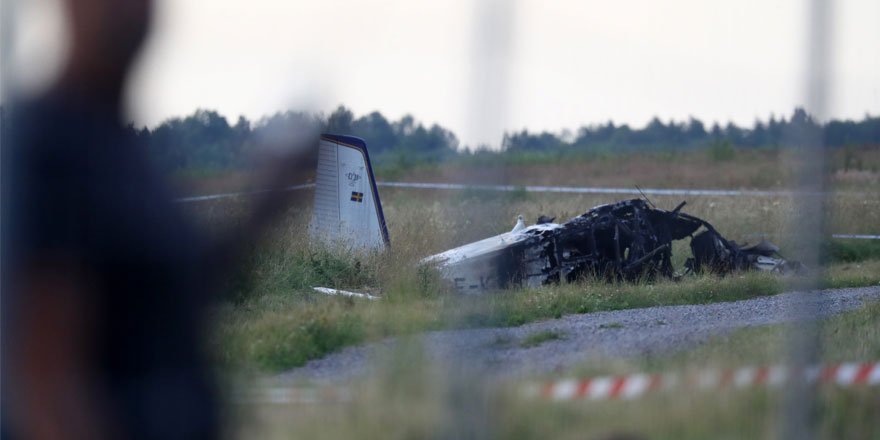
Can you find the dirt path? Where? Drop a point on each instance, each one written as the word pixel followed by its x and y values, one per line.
pixel 621 333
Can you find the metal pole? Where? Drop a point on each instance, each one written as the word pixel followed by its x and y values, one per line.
pixel 487 102
pixel 809 225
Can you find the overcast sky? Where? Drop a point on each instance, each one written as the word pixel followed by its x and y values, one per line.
pixel 478 68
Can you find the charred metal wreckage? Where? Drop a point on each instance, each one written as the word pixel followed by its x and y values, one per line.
pixel 627 240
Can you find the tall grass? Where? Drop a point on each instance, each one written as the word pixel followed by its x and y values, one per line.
pixel 275 321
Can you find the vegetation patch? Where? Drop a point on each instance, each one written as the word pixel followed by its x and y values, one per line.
pixel 852 250
pixel 538 338
pixel 856 274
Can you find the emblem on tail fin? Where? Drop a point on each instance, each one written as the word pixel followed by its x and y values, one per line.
pixel 348 210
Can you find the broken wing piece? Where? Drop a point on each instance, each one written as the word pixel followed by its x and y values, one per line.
pixel 334 292
pixel 505 260
pixel 348 211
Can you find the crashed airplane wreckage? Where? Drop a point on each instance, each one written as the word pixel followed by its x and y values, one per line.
pixel 627 240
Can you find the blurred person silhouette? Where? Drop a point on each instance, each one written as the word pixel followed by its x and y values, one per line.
pixel 104 279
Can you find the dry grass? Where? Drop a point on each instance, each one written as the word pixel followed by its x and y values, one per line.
pixel 460 217
pixel 745 168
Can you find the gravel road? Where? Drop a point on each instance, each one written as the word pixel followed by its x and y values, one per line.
pixel 623 333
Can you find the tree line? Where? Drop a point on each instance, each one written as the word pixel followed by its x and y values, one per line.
pixel 694 134
pixel 207 140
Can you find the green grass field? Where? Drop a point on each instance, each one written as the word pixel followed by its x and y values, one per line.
pixel 270 320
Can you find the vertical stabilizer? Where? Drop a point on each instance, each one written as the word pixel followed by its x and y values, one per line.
pixel 348 211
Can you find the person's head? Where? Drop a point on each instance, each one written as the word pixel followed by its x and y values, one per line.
pixel 106 36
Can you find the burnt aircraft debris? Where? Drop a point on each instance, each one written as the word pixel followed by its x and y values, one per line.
pixel 627 240
pixel 544 220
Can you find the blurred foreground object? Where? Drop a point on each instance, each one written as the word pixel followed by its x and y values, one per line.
pixel 105 281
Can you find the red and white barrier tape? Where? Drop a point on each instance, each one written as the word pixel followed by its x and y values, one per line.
pixel 616 387
pixel 636 385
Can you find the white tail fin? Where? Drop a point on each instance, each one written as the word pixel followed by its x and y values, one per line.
pixel 348 211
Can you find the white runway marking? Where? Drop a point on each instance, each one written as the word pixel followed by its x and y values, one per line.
pixel 240 193
pixel 857 236
pixel 588 189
